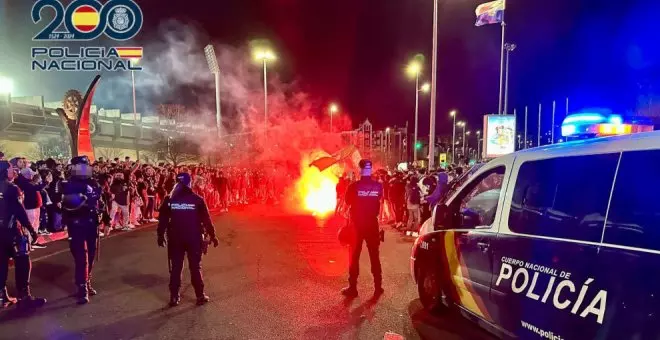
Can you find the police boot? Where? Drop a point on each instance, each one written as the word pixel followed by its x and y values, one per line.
pixel 378 287
pixel 202 299
pixel 5 299
pixel 175 299
pixel 82 295
pixel 28 301
pixel 90 290
pixel 350 291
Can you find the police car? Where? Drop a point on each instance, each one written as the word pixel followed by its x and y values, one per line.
pixel 556 242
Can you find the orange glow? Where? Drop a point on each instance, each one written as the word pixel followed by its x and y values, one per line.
pixel 614 129
pixel 316 190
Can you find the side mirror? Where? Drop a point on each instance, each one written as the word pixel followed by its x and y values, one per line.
pixel 440 217
pixel 470 219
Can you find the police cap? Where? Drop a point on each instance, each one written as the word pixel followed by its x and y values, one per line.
pixel 184 178
pixel 365 163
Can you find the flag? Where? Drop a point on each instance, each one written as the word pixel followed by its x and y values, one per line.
pixel 85 18
pixel 348 152
pixel 490 13
pixel 129 52
pixel 324 162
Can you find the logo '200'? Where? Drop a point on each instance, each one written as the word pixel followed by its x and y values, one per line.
pixel 89 19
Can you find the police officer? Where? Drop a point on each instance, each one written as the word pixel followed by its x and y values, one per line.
pixel 14 242
pixel 185 218
pixel 363 198
pixel 80 213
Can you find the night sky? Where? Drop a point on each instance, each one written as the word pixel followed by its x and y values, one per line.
pixel 598 53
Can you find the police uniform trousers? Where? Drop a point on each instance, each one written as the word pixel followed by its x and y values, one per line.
pixel 84 236
pixel 176 250
pixel 22 262
pixel 371 237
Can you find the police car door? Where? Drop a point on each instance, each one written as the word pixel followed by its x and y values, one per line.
pixel 473 213
pixel 545 254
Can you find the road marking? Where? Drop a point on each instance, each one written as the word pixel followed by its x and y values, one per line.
pixel 37 259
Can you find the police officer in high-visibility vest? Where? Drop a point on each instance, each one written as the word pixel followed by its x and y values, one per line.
pixel 14 242
pixel 363 198
pixel 185 219
pixel 80 213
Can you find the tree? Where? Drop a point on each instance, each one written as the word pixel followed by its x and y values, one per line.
pixel 177 150
pixel 53 147
pixel 109 153
pixel 175 112
pixel 148 157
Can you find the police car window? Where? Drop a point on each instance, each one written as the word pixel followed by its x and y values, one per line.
pixel 483 195
pixel 634 216
pixel 563 197
pixel 456 183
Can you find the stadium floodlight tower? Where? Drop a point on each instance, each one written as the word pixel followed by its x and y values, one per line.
pixel 211 59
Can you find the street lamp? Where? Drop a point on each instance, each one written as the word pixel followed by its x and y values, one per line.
pixel 434 88
pixel 509 48
pixel 265 55
pixel 134 61
pixel 334 108
pixel 6 87
pixel 453 137
pixel 425 88
pixel 387 146
pixel 465 141
pixel 462 124
pixel 478 145
pixel 413 70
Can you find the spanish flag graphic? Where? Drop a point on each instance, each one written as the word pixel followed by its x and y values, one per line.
pixel 129 52
pixel 85 18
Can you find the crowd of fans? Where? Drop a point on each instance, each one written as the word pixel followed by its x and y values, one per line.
pixel 132 191
pixel 409 197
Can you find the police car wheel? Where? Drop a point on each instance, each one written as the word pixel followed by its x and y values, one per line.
pixel 430 289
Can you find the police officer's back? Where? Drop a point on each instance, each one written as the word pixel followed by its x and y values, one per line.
pixel 80 213
pixel 363 197
pixel 14 242
pixel 185 218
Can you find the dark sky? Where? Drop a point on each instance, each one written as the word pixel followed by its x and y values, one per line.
pixel 599 53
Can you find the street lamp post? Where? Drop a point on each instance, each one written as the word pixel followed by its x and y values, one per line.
pixel 478 145
pixel 265 55
pixel 434 88
pixel 462 124
pixel 466 135
pixel 453 137
pixel 509 48
pixel 414 68
pixel 387 147
pixel 334 108
pixel 134 61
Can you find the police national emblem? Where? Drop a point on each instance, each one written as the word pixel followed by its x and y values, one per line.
pixel 120 20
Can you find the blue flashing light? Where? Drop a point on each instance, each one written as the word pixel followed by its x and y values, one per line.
pixel 568 130
pixel 616 120
pixel 585 118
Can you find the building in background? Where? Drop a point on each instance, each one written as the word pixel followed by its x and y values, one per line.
pixel 29 127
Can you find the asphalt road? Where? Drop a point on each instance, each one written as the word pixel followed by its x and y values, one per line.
pixel 274 276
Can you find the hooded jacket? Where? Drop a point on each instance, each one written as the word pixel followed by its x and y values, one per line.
pixel 439 191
